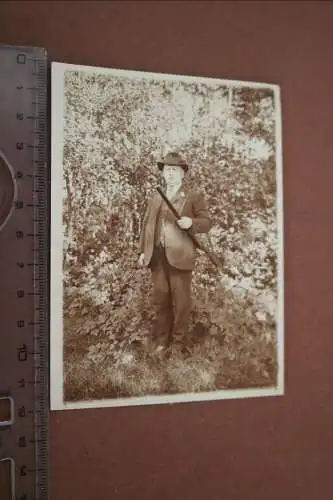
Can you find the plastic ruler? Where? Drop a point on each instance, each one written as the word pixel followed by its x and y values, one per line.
pixel 24 275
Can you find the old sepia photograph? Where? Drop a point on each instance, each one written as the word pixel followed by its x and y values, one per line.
pixel 166 238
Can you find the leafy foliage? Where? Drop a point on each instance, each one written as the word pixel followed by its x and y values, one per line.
pixel 115 130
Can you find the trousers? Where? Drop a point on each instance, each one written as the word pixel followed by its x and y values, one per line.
pixel 172 300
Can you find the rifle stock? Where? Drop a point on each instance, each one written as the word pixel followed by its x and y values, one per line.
pixel 211 255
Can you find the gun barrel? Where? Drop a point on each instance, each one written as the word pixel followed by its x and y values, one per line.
pixel 170 205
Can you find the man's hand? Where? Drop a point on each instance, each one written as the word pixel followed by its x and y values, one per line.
pixel 141 260
pixel 184 222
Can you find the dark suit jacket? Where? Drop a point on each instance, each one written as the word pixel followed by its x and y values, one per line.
pixel 179 248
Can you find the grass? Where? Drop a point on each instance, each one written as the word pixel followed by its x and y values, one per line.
pixel 137 371
pixel 231 349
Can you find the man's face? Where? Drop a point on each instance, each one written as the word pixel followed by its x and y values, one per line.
pixel 173 175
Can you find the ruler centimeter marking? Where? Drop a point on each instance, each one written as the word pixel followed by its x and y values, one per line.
pixel 24 244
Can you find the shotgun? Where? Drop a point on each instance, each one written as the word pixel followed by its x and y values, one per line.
pixel 211 255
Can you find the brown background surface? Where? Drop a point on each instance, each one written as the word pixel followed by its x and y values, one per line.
pixel 260 449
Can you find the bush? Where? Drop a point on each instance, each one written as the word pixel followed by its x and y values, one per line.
pixel 114 128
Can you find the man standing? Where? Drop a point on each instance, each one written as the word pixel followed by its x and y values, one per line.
pixel 170 253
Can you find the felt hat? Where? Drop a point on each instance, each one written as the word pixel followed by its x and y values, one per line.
pixel 173 159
